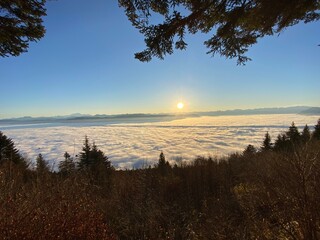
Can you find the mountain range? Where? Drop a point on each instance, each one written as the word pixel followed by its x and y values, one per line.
pixel 76 117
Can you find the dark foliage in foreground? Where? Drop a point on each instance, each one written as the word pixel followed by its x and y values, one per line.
pixel 270 193
pixel 232 25
pixel 20 23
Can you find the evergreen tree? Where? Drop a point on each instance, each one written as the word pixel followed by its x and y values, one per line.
pixel 293 133
pixel 163 165
pixel 266 145
pixel 20 23
pixel 233 26
pixel 162 160
pixel 305 135
pixel 250 150
pixel 281 142
pixel 95 155
pixel 66 156
pixel 67 166
pixel 8 151
pixel 98 158
pixel 100 167
pixel 42 165
pixel 84 159
pixel 93 159
pixel 316 132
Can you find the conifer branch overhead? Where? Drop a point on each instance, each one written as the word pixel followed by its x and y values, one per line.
pixel 20 24
pixel 234 25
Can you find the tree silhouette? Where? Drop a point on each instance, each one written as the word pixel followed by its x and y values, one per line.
pixel 316 132
pixel 162 160
pixel 287 141
pixel 163 165
pixel 266 145
pixel 84 160
pixel 67 166
pixel 42 165
pixel 250 150
pixel 20 24
pixel 235 25
pixel 8 151
pixel 98 158
pixel 93 159
pixel 305 135
pixel 281 143
pixel 293 133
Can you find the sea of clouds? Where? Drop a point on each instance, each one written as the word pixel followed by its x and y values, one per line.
pixel 138 144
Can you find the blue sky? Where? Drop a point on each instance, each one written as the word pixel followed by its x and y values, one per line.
pixel 86 64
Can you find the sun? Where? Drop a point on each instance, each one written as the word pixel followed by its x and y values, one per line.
pixel 180 105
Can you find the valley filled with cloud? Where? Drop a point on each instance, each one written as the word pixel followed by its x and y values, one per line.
pixel 137 144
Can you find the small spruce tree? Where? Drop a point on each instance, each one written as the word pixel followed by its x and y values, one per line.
pixel 42 165
pixel 163 165
pixel 305 135
pixel 293 133
pixel 84 159
pixel 281 143
pixel 162 160
pixel 266 145
pixel 95 162
pixel 67 166
pixel 250 150
pixel 98 158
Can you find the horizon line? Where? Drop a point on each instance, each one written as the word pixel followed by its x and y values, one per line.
pixel 77 114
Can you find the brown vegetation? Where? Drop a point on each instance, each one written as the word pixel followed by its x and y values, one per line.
pixel 270 193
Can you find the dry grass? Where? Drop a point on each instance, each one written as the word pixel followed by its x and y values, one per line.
pixel 47 207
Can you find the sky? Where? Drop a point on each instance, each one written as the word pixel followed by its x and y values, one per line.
pixel 85 64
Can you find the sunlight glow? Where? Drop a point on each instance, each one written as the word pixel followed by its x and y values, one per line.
pixel 180 105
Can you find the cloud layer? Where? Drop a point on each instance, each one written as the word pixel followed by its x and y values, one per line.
pixel 131 145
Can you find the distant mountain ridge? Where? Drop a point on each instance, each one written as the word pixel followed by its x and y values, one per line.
pixel 305 110
pixel 311 111
pixel 281 110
